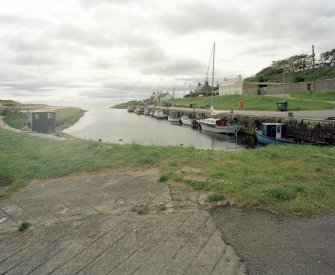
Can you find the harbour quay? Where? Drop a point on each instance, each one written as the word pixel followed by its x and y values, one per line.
pixel 315 127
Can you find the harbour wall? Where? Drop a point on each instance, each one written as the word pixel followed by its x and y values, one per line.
pixel 304 130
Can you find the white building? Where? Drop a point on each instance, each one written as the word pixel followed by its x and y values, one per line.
pixel 160 96
pixel 231 86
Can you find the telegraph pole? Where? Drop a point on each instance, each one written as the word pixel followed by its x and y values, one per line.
pixel 313 55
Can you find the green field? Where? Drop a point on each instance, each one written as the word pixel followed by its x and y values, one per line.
pixel 297 102
pixel 297 180
pixel 254 102
pixel 321 95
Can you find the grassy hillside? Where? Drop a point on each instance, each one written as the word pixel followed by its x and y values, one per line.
pixel 293 180
pixel 270 75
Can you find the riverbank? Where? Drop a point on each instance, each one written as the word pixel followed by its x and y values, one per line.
pixel 295 180
pixel 16 116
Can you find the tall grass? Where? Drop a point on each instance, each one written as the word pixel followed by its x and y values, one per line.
pixel 288 179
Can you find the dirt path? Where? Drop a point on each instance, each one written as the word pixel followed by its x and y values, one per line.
pixel 273 244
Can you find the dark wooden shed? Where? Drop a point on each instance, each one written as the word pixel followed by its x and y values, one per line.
pixel 42 121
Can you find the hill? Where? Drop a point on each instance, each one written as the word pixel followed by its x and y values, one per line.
pixel 298 68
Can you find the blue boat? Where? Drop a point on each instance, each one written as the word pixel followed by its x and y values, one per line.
pixel 273 133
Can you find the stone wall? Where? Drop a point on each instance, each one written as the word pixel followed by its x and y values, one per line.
pixel 312 131
pixel 250 88
pixel 288 88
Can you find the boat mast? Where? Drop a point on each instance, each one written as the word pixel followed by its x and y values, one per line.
pixel 213 74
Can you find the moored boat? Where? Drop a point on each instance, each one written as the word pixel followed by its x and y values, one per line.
pixel 174 118
pixel 139 110
pixel 186 120
pixel 146 111
pixel 218 125
pixel 273 133
pixel 159 114
pixel 131 109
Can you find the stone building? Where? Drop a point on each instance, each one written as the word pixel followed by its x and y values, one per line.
pixel 231 86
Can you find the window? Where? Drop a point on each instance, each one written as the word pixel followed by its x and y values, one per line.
pixel 50 115
pixel 36 116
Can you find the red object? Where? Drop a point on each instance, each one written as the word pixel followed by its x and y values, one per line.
pixel 241 103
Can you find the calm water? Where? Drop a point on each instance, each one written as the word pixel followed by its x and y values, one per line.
pixel 119 126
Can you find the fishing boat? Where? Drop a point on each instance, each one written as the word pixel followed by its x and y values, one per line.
pixel 218 125
pixel 273 133
pixel 139 110
pixel 131 109
pixel 186 120
pixel 146 111
pixel 173 118
pixel 159 114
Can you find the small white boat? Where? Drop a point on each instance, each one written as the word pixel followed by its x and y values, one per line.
pixel 218 125
pixel 160 115
pixel 186 120
pixel 174 119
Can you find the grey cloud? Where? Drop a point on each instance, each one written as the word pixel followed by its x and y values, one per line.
pixel 179 67
pixel 12 20
pixel 103 63
pixel 89 37
pixel 34 60
pixel 146 55
pixel 200 15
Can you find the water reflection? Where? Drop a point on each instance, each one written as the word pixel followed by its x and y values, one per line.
pixel 119 126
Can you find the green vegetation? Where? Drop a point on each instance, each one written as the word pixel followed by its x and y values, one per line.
pixel 15 119
pixel 271 75
pixel 298 68
pixel 24 226
pixel 65 117
pixel 126 104
pixel 216 197
pixel 6 102
pixel 318 95
pixel 297 180
pixel 254 102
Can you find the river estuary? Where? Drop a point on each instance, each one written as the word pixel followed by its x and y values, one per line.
pixel 118 126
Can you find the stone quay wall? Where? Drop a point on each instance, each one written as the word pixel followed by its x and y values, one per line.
pixel 305 130
pixel 264 88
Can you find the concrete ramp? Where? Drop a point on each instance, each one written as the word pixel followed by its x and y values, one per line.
pixel 115 222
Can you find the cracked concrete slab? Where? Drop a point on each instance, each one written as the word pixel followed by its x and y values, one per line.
pixel 91 224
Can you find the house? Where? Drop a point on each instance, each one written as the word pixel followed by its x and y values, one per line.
pixel 233 86
pixel 160 96
pixel 205 90
pixel 42 121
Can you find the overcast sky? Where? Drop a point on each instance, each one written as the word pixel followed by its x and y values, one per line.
pixel 126 49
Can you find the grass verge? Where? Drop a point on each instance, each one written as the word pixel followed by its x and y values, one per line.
pixel 254 102
pixel 297 180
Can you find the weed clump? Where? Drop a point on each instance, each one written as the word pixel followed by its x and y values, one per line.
pixel 281 194
pixel 216 197
pixel 24 226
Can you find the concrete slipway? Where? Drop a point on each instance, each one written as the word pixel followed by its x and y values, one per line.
pixel 112 223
